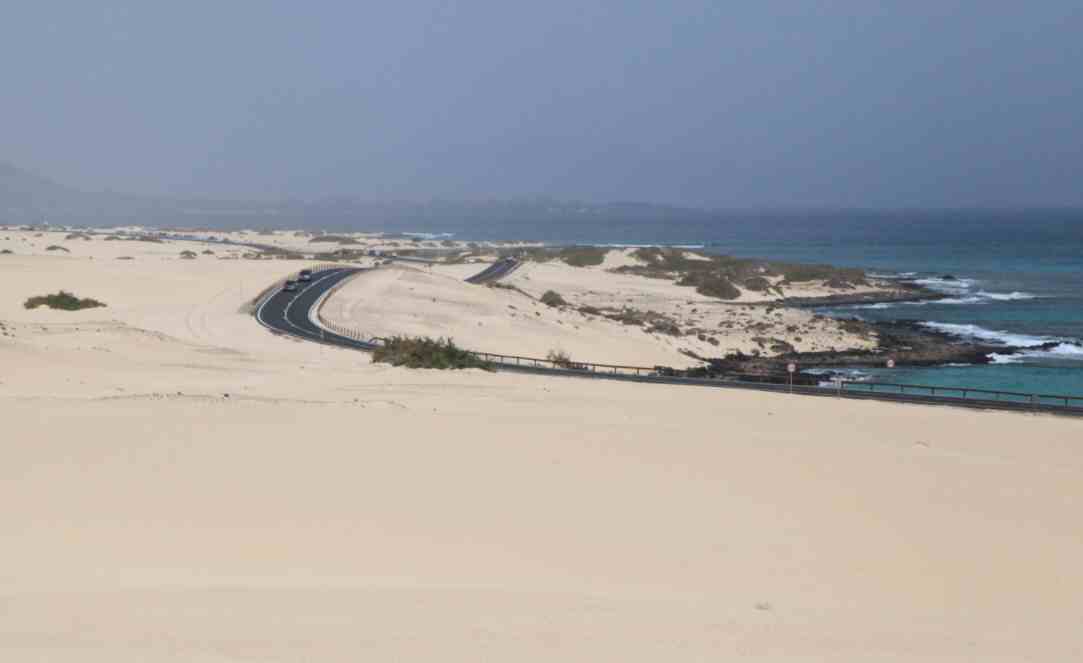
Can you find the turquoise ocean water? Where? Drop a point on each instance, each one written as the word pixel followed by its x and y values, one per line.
pixel 1017 275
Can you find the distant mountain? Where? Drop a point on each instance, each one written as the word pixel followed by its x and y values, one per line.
pixel 29 198
pixel 23 190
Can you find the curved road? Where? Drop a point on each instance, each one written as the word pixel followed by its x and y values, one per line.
pixel 289 313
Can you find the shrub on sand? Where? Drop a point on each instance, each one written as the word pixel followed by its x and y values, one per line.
pixel 64 301
pixel 583 256
pixel 553 298
pixel 711 285
pixel 337 239
pixel 426 353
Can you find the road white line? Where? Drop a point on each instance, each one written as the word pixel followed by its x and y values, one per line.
pixel 286 310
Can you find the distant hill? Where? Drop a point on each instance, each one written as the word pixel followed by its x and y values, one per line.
pixel 26 197
pixel 23 190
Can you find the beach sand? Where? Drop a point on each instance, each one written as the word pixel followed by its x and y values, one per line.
pixel 181 485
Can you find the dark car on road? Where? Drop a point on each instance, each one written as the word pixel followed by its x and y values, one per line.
pixel 291 286
pixel 305 275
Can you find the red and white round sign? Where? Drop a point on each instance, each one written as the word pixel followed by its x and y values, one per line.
pixel 791 367
pixel 891 363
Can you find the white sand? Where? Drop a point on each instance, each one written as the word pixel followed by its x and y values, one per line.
pixel 415 302
pixel 734 325
pixel 334 510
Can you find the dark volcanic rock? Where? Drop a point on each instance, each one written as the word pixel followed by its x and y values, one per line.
pixel 907 343
pixel 904 292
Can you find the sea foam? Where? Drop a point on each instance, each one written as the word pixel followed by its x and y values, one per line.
pixel 1065 349
pixel 974 332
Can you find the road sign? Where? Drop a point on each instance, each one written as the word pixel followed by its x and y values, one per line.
pixel 891 363
pixel 791 367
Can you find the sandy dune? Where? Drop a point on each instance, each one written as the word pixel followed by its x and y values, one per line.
pixel 734 326
pixel 416 302
pixel 329 509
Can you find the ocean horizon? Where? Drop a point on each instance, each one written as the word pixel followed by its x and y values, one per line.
pixel 1011 277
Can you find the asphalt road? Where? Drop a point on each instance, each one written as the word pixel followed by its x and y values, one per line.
pixel 495 271
pixel 289 313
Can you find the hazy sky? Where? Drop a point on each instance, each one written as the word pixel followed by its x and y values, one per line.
pixel 714 103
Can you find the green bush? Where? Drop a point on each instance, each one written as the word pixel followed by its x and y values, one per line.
pixel 553 298
pixel 801 273
pixel 583 256
pixel 64 301
pixel 188 255
pixel 751 273
pixel 54 247
pixel 711 284
pixel 426 353
pixel 757 284
pixel 6 252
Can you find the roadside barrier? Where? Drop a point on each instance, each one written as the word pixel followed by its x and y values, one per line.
pixel 779 382
pixel 348 336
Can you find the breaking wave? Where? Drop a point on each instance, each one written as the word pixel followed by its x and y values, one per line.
pixel 1064 349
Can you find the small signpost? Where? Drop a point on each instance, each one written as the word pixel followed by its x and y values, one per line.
pixel 891 363
pixel 791 368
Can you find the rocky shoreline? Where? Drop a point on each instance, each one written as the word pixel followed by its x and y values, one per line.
pixel 906 343
pixel 901 292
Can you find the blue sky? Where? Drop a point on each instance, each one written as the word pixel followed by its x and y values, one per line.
pixel 717 104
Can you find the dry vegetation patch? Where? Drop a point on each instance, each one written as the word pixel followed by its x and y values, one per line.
pixel 553 298
pixel 723 277
pixel 334 239
pixel 426 352
pixel 63 301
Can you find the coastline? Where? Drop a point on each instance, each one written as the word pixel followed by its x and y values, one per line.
pixel 906 293
pixel 907 344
